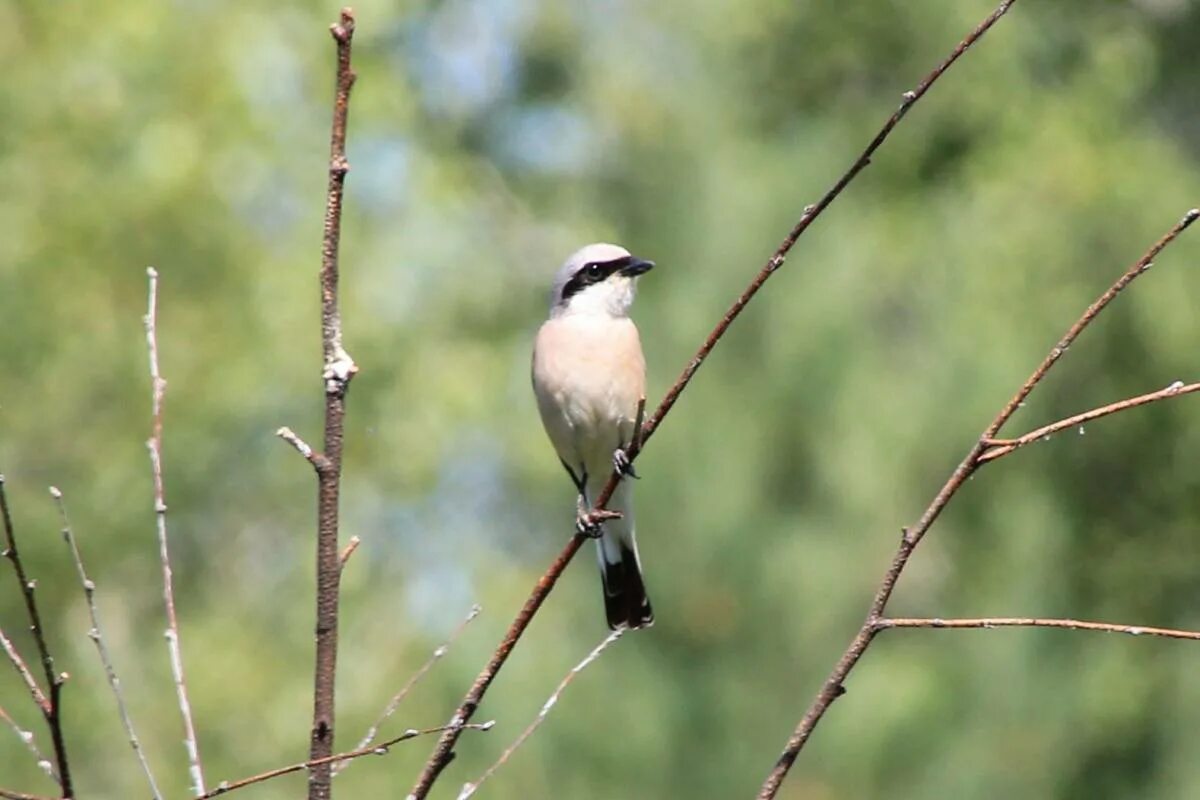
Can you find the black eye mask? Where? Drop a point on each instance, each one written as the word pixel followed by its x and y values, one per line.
pixel 594 272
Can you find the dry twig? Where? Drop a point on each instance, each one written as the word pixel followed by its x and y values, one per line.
pixel 9 794
pixel 376 750
pixel 158 387
pixel 337 370
pixel 998 448
pixel 884 623
pixel 974 459
pixel 51 707
pixel 394 703
pixel 97 637
pixel 26 736
pixel 443 752
pixel 469 788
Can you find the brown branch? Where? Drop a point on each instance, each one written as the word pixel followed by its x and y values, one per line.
pixel 50 707
pixel 97 637
pixel 443 753
pixel 470 788
pixel 158 387
pixel 911 537
pixel 22 668
pixel 10 794
pixel 398 698
pixel 884 623
pixel 376 750
pixel 338 369
pixel 998 448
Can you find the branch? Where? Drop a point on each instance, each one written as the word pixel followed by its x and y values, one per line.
pixel 51 707
pixel 39 697
pixel 885 623
pixel 377 750
pixel 394 703
pixel 469 788
pixel 336 373
pixel 1002 447
pixel 832 688
pixel 10 794
pixel 444 751
pixel 27 738
pixel 158 387
pixel 97 637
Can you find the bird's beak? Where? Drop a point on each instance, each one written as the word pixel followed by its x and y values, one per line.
pixel 636 267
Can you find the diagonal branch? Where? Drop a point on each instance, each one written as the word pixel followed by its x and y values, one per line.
pixel 97 637
pixel 998 448
pixel 27 739
pixel 158 387
pixel 833 688
pixel 470 788
pixel 398 698
pixel 51 707
pixel 884 623
pixel 443 753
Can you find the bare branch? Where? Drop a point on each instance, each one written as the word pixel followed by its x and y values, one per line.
pixel 394 703
pixel 26 736
pixel 376 750
pixel 51 707
pixel 9 794
pixel 39 697
pixel 337 371
pixel 96 634
pixel 884 623
pixel 832 688
pixel 302 447
pixel 158 387
pixel 469 788
pixel 1002 447
pixel 444 751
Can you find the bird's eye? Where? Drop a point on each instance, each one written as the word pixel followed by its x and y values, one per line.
pixel 593 271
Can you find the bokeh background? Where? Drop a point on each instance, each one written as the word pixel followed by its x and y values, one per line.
pixel 488 140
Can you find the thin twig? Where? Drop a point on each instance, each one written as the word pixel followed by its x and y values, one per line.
pixel 302 447
pixel 51 707
pixel 469 788
pixel 395 702
pixel 911 537
pixel 338 369
pixel 885 623
pixel 22 668
pixel 1002 447
pixel 158 388
pixel 443 752
pixel 375 750
pixel 96 634
pixel 10 794
pixel 348 550
pixel 26 736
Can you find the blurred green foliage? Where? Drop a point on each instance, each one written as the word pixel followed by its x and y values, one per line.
pixel 487 141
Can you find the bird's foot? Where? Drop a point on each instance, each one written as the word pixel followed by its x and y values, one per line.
pixel 588 521
pixel 622 465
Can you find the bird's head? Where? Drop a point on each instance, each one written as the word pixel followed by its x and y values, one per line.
pixel 597 279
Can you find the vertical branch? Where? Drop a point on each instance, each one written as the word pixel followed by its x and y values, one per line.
pixel 158 388
pixel 50 707
pixel 339 368
pixel 97 637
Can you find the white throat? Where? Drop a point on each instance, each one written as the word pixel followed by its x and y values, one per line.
pixel 611 298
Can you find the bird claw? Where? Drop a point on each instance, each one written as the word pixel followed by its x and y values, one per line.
pixel 622 465
pixel 586 525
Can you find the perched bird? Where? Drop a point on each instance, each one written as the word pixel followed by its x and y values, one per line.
pixel 589 376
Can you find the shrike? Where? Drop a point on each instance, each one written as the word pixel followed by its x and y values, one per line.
pixel 589 375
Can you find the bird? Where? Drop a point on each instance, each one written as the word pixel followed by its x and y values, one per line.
pixel 589 378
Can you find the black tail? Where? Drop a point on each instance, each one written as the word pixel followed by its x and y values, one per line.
pixel 625 600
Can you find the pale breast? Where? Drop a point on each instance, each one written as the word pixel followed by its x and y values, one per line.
pixel 588 375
